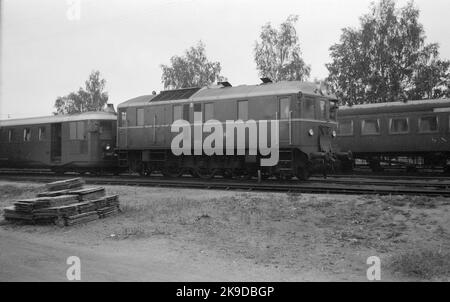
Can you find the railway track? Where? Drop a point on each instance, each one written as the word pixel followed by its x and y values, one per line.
pixel 315 185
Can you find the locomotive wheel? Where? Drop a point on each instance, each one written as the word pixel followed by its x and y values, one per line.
pixel 302 173
pixel 205 173
pixel 171 170
pixel 227 174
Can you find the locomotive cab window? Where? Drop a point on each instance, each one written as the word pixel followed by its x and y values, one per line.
pixel 399 125
pixel 370 127
pixel 323 110
pixel 77 131
pixel 123 118
pixel 26 134
pixel 177 112
pixel 345 128
pixel 309 108
pixel 428 124
pixel 243 110
pixel 106 130
pixel 285 108
pixel 333 110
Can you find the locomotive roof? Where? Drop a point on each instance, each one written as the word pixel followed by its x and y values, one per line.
pixel 220 92
pixel 94 115
pixel 137 101
pixel 422 105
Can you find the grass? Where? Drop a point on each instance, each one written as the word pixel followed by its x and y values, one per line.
pixel 423 264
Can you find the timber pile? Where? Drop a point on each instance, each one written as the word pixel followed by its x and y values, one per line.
pixel 65 203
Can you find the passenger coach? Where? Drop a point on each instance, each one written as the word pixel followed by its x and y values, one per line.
pixel 307 124
pixel 81 142
pixel 411 134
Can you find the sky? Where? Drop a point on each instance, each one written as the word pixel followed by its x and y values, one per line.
pixel 48 50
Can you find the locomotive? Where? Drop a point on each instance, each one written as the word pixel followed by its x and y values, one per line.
pixel 305 116
pixel 81 142
pixel 411 135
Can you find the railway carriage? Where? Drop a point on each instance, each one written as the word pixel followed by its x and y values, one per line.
pixel 307 126
pixel 81 142
pixel 413 134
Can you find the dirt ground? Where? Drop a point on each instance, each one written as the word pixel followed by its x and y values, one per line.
pixel 205 235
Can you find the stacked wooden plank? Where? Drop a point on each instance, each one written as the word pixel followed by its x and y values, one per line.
pixel 67 184
pixel 65 206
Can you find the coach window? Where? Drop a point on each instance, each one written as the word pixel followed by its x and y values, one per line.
pixel 243 110
pixel 186 112
pixel 399 125
pixel 26 134
pixel 370 127
pixel 73 131
pixel 41 133
pixel 428 124
pixel 345 128
pixel 209 111
pixel 309 108
pixel 106 130
pixel 10 135
pixel 140 117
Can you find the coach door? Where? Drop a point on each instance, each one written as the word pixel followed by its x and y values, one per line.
pixel 285 118
pixel 55 144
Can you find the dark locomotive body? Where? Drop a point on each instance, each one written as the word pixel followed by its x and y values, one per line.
pixel 81 142
pixel 411 134
pixel 307 124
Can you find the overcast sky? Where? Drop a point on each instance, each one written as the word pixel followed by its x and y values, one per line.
pixel 45 54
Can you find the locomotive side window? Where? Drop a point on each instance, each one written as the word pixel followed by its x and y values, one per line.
pixel 370 127
pixel 345 128
pixel 186 112
pixel 333 110
pixel 243 110
pixel 26 134
pixel 309 108
pixel 140 117
pixel 209 111
pixel 177 112
pixel 41 133
pixel 285 108
pixel 399 125
pixel 428 124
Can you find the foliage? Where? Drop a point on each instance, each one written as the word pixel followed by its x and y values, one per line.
pixel 91 98
pixel 278 55
pixel 387 59
pixel 191 70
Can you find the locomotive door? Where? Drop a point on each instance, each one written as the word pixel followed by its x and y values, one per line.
pixel 285 119
pixel 55 143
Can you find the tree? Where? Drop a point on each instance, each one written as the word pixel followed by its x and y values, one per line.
pixel 191 70
pixel 278 56
pixel 90 98
pixel 387 59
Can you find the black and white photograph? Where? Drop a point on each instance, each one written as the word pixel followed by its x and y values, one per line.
pixel 226 147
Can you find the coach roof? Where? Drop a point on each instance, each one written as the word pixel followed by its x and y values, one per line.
pixel 93 115
pixel 137 101
pixel 421 105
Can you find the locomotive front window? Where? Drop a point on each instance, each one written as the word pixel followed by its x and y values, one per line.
pixel 370 127
pixel 26 134
pixel 77 131
pixel 309 108
pixel 333 110
pixel 428 124
pixel 345 128
pixel 123 118
pixel 323 110
pixel 399 125
pixel 243 110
